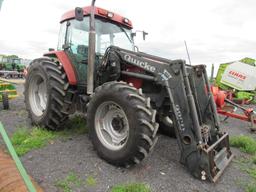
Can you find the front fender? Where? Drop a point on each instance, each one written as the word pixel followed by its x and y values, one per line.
pixel 66 63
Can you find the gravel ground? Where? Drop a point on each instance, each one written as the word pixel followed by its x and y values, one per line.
pixel 161 170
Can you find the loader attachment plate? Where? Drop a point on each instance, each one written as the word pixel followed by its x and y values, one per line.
pixel 219 157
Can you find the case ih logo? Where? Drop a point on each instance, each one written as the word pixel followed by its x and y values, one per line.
pixel 237 75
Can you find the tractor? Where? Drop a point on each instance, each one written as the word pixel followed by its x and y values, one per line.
pixel 125 94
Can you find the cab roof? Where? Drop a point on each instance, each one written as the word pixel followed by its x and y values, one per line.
pixel 99 12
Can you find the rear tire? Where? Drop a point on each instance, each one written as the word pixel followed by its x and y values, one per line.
pixel 46 91
pixel 134 137
pixel 5 99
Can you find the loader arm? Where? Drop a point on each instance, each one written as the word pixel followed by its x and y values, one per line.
pixel 204 148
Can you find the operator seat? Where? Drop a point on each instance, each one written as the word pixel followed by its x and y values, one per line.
pixel 82 51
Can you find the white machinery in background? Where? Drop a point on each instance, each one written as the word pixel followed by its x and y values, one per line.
pixel 240 76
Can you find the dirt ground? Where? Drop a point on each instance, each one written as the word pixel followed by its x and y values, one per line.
pixel 161 170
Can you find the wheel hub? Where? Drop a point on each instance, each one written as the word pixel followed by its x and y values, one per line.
pixel 111 124
pixel 118 123
pixel 38 94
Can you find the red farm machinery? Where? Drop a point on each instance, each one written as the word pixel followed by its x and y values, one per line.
pixel 227 107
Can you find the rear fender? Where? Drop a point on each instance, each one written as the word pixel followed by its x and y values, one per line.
pixel 66 63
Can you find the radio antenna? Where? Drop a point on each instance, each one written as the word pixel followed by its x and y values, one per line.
pixel 187 52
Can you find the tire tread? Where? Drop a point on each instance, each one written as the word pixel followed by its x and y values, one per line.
pixel 58 88
pixel 145 115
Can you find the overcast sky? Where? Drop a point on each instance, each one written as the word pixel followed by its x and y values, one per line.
pixel 216 31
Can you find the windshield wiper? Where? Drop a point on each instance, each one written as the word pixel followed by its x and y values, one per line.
pixel 125 32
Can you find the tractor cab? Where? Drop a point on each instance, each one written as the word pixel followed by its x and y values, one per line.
pixel 110 28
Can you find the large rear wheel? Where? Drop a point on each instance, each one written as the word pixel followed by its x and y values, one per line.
pixel 46 93
pixel 121 123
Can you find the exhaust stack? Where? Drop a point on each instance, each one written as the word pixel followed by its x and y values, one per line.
pixel 91 51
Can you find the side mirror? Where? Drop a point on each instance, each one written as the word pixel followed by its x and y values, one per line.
pixel 133 35
pixel 144 35
pixel 79 14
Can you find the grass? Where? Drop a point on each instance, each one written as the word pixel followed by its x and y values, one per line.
pixel 75 126
pixel 67 183
pixel 90 181
pixel 25 140
pixel 244 143
pixel 252 171
pixel 247 164
pixel 254 160
pixel 73 181
pixel 250 187
pixel 135 187
pixel 248 145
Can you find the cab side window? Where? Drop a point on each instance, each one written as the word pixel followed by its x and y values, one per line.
pixel 62 36
pixel 78 38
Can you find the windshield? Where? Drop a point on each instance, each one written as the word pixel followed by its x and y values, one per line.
pixel 110 34
pixel 107 34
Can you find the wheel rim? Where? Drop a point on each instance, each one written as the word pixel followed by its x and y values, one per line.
pixel 38 95
pixel 111 124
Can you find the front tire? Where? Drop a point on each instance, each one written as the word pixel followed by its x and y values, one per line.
pixel 121 123
pixel 46 88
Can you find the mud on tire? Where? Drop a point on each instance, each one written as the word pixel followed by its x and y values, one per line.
pixel 140 117
pixel 46 93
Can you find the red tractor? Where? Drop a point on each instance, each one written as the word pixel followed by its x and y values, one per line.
pixel 125 94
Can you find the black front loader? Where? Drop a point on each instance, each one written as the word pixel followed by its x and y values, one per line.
pixel 192 112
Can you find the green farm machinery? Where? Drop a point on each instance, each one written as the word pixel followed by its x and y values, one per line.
pixel 7 92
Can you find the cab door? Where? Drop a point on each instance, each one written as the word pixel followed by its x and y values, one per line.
pixel 76 46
